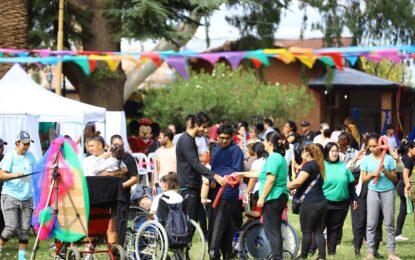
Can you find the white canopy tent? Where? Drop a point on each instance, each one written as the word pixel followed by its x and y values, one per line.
pixel 20 95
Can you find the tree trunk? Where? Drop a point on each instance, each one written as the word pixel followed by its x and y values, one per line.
pixel 103 87
pixel 13 27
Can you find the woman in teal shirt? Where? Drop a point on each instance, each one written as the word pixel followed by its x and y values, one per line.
pixel 273 192
pixel 339 190
pixel 380 196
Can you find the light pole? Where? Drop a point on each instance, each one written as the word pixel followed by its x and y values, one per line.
pixel 59 48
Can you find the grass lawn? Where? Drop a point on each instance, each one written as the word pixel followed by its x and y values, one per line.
pixel 406 250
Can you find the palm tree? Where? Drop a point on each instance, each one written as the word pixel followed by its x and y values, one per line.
pixel 13 27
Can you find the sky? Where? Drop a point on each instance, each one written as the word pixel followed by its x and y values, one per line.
pixel 220 31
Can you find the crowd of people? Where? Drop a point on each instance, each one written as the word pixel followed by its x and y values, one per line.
pixel 326 174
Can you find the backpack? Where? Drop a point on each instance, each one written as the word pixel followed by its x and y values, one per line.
pixel 176 226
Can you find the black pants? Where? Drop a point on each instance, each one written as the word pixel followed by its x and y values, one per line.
pixel 400 221
pixel 224 221
pixel 359 217
pixel 312 220
pixel 191 203
pixel 272 213
pixel 336 214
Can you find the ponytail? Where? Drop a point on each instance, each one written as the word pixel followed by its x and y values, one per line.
pixel 277 142
pixel 316 153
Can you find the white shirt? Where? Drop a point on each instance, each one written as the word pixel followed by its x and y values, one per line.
pixel 166 158
pixel 320 139
pixel 93 165
pixel 257 165
pixel 392 142
pixel 173 198
pixel 176 138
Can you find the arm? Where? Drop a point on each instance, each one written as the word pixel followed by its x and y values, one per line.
pixel 204 191
pixel 193 158
pixel 296 183
pixel 269 183
pixel 250 174
pixel 405 176
pixel 5 175
pixel 366 177
pixel 391 174
pixel 128 184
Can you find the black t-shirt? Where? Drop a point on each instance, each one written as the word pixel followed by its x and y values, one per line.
pixel 131 166
pixel 316 193
pixel 308 138
pixel 409 163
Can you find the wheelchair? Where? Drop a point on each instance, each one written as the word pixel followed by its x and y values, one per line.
pixel 147 239
pixel 251 242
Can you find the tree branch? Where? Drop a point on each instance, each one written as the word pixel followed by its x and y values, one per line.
pixel 137 76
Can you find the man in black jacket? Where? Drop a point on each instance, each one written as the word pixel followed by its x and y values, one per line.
pixel 189 168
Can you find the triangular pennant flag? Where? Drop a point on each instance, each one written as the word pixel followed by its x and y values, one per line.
pixel 234 58
pixel 327 60
pixel 179 64
pixel 352 60
pixel 111 62
pixel 212 58
pixel 337 59
pixel 83 63
pixel 374 57
pixel 23 54
pixel 286 57
pixel 307 60
pixel 259 56
pixel 154 57
pixel 257 63
pixel 92 65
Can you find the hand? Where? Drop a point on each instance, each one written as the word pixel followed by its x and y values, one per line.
pixel 375 174
pixel 154 190
pixel 292 192
pixel 394 154
pixel 407 190
pixel 245 198
pixel 219 179
pixel 203 201
pixel 260 202
pixel 355 205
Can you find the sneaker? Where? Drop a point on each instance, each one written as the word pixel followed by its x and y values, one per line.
pixel 377 255
pixel 401 238
pixel 370 256
pixel 393 257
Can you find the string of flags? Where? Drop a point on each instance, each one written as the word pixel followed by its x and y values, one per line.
pixel 87 60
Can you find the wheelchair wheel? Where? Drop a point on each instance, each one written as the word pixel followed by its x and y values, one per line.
pixel 290 242
pixel 255 244
pixel 136 217
pixel 73 253
pixel 196 252
pixel 151 241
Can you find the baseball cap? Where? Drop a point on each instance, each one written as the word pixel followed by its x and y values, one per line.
pixel 2 142
pixel 305 123
pixel 23 137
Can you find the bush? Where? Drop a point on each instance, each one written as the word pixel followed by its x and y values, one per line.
pixel 225 94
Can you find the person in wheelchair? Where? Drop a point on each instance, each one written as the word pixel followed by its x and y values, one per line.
pixel 167 209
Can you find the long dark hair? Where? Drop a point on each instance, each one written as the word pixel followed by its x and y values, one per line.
pixel 259 149
pixel 327 149
pixel 277 141
pixel 404 147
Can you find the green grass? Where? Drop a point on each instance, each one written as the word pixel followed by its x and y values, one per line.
pixel 406 250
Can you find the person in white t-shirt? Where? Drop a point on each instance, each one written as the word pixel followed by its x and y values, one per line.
pixel 165 157
pixel 325 135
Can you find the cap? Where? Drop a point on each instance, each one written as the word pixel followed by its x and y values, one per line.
pixel 2 142
pixel 305 123
pixel 23 137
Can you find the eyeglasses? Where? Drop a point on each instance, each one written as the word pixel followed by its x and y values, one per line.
pixel 223 138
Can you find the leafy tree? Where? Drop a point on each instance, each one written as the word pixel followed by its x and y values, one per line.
pixel 398 72
pixel 369 21
pixel 226 94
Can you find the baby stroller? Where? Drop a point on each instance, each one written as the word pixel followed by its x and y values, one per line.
pixel 105 196
pixel 155 239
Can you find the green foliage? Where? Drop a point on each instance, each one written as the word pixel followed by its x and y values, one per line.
pixel 260 18
pixel 369 21
pixel 226 94
pixel 397 72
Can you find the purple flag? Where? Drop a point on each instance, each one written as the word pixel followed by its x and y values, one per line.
pixel 179 64
pixel 234 57
pixel 212 58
